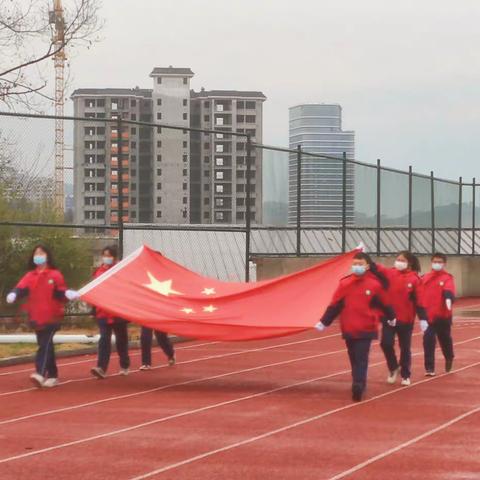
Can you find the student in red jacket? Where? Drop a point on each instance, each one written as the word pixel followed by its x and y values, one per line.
pixel 107 324
pixel 437 297
pixel 402 294
pixel 146 337
pixel 44 289
pixel 358 301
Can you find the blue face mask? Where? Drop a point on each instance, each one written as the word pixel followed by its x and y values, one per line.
pixel 39 259
pixel 437 267
pixel 107 260
pixel 359 270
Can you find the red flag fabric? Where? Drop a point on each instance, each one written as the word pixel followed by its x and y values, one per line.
pixel 153 291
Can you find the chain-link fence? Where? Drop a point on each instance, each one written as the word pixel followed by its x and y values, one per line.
pixel 216 192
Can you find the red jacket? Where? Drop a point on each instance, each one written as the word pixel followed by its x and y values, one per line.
pixel 359 301
pixel 45 292
pixel 435 288
pixel 402 293
pixel 99 313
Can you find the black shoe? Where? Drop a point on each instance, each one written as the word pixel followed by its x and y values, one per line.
pixel 448 365
pixel 357 392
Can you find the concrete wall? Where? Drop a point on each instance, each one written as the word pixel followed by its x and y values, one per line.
pixel 465 269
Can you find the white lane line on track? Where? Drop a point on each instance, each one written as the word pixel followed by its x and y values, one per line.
pixel 410 442
pixel 93 358
pixel 291 426
pixel 186 362
pixel 209 407
pixel 171 385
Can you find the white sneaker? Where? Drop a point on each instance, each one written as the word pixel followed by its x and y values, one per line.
pixel 124 371
pixel 429 373
pixel 392 378
pixel 406 382
pixel 98 372
pixel 50 382
pixel 145 367
pixel 171 362
pixel 37 379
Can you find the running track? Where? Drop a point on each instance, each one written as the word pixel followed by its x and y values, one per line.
pixel 277 408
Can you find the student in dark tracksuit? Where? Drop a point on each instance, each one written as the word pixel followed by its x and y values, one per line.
pixel 402 294
pixel 108 325
pixel 45 292
pixel 437 296
pixel 358 301
pixel 164 343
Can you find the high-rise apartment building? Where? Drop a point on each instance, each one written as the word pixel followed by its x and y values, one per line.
pixel 218 161
pixel 169 175
pixel 96 156
pixel 317 128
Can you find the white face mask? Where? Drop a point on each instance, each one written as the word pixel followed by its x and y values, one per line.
pixel 400 265
pixel 437 266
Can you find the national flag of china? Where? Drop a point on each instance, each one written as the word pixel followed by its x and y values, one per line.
pixel 151 290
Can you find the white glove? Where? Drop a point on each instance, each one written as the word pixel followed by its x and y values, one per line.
pixel 361 247
pixel 392 323
pixel 320 327
pixel 72 295
pixel 448 304
pixel 423 325
pixel 11 297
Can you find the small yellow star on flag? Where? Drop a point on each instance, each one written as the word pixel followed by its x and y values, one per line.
pixel 209 291
pixel 210 309
pixel 187 310
pixel 163 288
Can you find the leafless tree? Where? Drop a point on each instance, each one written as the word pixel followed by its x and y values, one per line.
pixel 28 48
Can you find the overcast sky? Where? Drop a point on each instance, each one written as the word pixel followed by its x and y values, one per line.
pixel 407 74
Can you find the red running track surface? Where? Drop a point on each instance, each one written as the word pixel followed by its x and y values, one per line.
pixel 245 411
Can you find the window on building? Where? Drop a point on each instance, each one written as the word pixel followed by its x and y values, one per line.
pixel 206 145
pixel 206 173
pixel 185 173
pixel 185 80
pixel 133 158
pixel 159 144
pixel 219 175
pixel 219 148
pixel 219 202
pixel 133 117
pixel 185 200
pixel 185 116
pixel 132 144
pixel 185 186
pixel 240 188
pixel 133 214
pixel 89 159
pixel 90 131
pixel 184 213
pixel 185 102
pixel 134 186
pixel 159 129
pixel 114 104
pixel 159 171
pixel 219 188
pixel 100 200
pixel 159 158
pixel 240 173
pixel 206 159
pixel 219 107
pixel 159 115
pixel 240 202
pixel 240 146
pixel 206 118
pixel 89 103
pixel 159 214
pixel 133 201
pixel 240 104
pixel 89 145
pixel 100 145
pixel 206 104
pixel 159 102
pixel 133 131
pixel 240 118
pixel 185 158
pixel 206 201
pixel 249 105
pixel 101 103
pixel 206 187
pixel 218 215
pixel 159 200
pixel 219 121
pixel 250 118
pixel 89 115
pixel 219 161
pixel 240 215
pixel 133 103
pixel 159 80
pixel 185 144
pixel 206 215
pixel 219 135
pixel 240 160
pixel 159 186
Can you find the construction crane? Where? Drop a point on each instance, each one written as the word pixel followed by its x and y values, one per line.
pixel 57 20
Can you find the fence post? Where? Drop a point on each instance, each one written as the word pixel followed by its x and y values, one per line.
pixel 299 200
pixel 473 217
pixel 410 206
pixel 344 204
pixel 460 186
pixel 432 206
pixel 379 206
pixel 120 187
pixel 247 208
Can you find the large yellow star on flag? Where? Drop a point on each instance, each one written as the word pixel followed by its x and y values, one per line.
pixel 163 288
